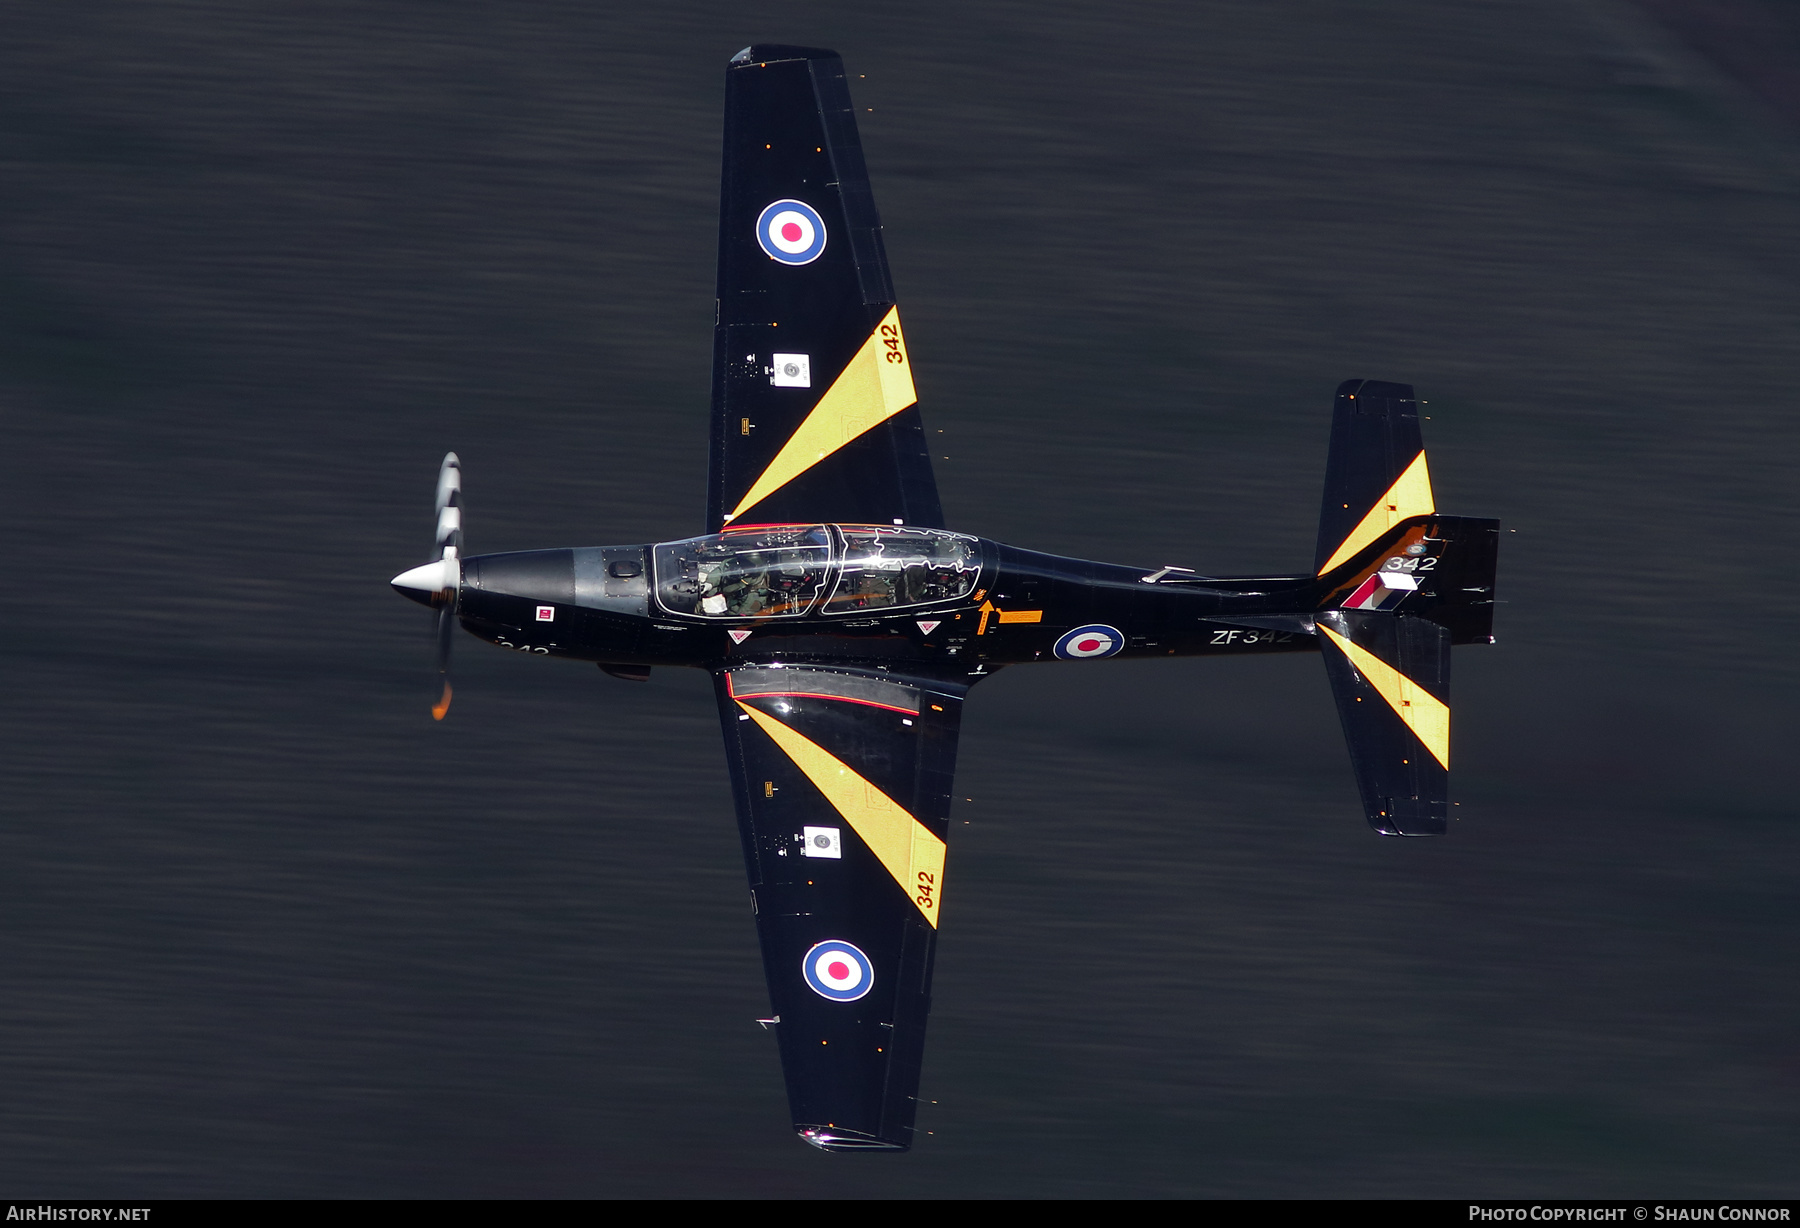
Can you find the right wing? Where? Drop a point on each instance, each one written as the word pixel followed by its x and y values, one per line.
pixel 842 778
pixel 813 417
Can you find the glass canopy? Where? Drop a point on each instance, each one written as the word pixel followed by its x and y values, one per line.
pixel 781 571
pixel 883 567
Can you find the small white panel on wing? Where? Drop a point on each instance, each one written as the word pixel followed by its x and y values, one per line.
pixel 790 371
pixel 822 842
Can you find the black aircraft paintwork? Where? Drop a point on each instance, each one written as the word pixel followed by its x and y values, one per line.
pixel 844 625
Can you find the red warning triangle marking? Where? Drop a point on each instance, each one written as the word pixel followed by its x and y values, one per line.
pixel 929 626
pixel 738 637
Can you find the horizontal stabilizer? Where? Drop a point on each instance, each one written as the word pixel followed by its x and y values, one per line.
pixel 1390 676
pixel 1375 473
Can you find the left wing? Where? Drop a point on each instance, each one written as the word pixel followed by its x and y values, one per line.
pixel 814 416
pixel 842 778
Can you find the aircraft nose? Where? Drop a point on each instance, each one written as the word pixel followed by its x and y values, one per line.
pixel 423 584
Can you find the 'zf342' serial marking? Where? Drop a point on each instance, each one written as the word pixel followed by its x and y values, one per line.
pixel 1252 637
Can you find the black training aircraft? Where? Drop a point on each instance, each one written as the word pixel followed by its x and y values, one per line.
pixel 843 622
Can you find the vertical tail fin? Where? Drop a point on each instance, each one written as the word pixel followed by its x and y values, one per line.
pixel 1439 568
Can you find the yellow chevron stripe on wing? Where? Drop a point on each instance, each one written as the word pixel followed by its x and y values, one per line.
pixel 1424 713
pixel 1410 495
pixel 904 845
pixel 876 385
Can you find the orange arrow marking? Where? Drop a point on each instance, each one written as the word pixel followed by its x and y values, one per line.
pixel 1007 616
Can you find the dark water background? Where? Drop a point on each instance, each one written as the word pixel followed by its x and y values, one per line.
pixel 265 929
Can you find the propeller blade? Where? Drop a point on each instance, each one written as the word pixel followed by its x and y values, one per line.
pixel 439 582
pixel 441 708
pixel 446 631
pixel 449 542
pixel 449 508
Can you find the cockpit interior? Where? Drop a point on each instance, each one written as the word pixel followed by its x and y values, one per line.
pixel 782 571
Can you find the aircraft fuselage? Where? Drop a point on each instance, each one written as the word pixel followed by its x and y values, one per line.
pixel 609 604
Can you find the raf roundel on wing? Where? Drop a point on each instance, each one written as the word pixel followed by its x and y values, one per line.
pixel 1093 640
pixel 838 971
pixel 791 231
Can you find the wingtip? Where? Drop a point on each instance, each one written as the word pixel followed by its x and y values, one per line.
pixel 766 53
pixel 835 1138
